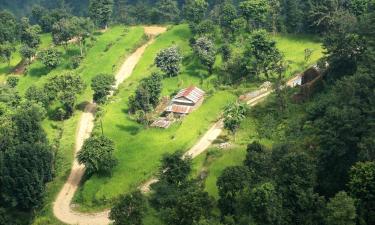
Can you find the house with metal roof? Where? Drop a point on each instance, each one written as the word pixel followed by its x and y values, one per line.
pixel 186 101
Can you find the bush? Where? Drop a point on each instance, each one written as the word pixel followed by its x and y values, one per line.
pixel 12 81
pixel 76 62
pixel 50 58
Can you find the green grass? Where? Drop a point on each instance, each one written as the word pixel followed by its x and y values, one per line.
pixel 139 150
pixel 6 69
pixel 96 61
pixel 293 47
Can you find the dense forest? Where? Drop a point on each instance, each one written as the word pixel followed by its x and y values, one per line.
pixel 320 167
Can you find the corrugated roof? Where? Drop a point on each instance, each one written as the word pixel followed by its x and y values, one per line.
pixel 162 123
pixel 182 109
pixel 192 93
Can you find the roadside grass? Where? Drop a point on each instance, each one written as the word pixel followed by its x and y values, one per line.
pixel 215 160
pixel 138 149
pixel 62 134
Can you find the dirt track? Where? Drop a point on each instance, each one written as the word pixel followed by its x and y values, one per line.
pixel 216 129
pixel 62 206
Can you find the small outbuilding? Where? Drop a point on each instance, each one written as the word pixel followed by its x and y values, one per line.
pixel 186 101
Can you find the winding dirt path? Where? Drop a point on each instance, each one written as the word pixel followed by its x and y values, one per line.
pixel 62 206
pixel 213 133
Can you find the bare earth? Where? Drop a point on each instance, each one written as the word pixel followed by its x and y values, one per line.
pixel 62 206
pixel 216 129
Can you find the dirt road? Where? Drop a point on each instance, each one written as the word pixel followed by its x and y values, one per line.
pixel 62 206
pixel 216 129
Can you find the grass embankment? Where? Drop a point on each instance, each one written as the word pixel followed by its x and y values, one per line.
pixel 139 150
pixel 215 160
pixel 105 56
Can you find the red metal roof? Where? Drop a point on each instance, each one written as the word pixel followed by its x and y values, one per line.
pixel 191 93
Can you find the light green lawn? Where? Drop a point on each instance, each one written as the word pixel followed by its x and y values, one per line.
pixel 96 61
pixel 6 69
pixel 139 150
pixel 293 47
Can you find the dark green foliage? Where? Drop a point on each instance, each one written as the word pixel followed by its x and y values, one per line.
pixel 169 61
pixel 29 34
pixel 27 52
pixel 175 169
pixel 205 28
pixel 101 11
pixel 25 159
pixel 261 54
pixel 97 155
pixel 178 200
pixel 255 12
pixel 129 209
pixel 341 210
pixel 166 11
pixel 38 95
pixel 194 11
pixel 50 57
pixel 263 203
pixel 12 81
pixel 362 187
pixel 296 179
pixel 191 205
pixel 233 116
pixel 33 161
pixel 64 88
pixel 147 94
pixel 8 27
pixel 206 52
pixel 230 183
pixel 258 160
pixel 6 51
pixel 9 96
pixel 102 85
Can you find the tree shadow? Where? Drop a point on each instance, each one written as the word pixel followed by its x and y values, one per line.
pixel 133 130
pixel 81 106
pixel 38 72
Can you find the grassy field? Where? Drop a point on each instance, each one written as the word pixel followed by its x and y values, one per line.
pixel 139 150
pixel 99 59
pixel 216 160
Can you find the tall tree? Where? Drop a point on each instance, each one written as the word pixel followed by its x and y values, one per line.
pixel 26 165
pixel 169 61
pixel 102 85
pixel 234 114
pixel 129 209
pixel 263 203
pixel 101 12
pixel 341 210
pixel 147 94
pixel 206 52
pixel 50 57
pixel 167 11
pixel 230 184
pixel 261 54
pixel 255 12
pixel 175 169
pixel 194 11
pixel 362 187
pixel 97 155
pixel 8 27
